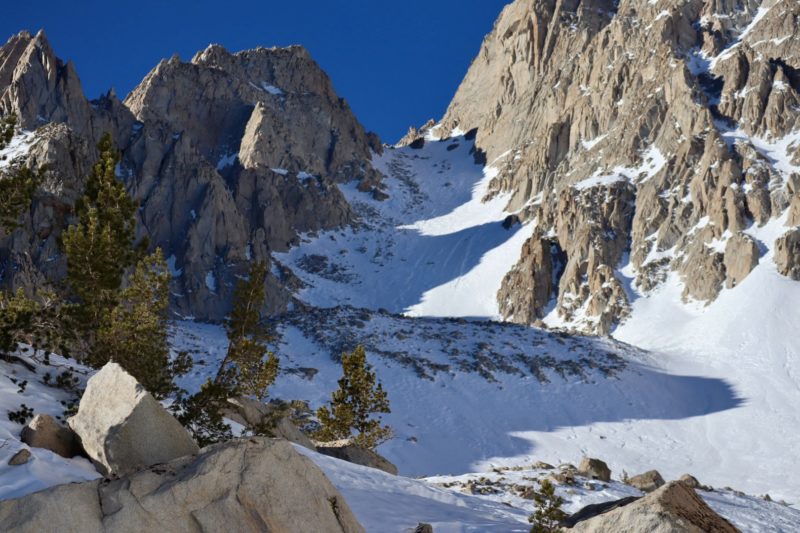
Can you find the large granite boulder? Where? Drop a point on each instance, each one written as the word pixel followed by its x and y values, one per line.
pixel 674 508
pixel 248 485
pixel 123 428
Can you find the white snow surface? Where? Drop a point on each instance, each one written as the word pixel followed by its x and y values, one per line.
pixel 18 146
pixel 386 503
pixel 45 468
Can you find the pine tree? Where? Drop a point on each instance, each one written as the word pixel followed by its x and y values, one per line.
pixel 7 128
pixel 202 413
pixel 249 367
pixel 135 333
pixel 34 321
pixel 354 403
pixel 100 246
pixel 548 515
pixel 16 193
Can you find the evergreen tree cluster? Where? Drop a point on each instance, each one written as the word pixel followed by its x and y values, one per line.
pixel 114 302
pixel 8 126
pixel 114 305
pixel 127 324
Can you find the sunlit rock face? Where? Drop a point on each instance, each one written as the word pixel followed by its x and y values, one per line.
pixel 644 135
pixel 232 156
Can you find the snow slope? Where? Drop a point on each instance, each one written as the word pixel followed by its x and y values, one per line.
pixel 714 395
pixel 386 503
pixel 45 467
pixel 434 248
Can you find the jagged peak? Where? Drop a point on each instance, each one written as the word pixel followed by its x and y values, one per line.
pixel 210 54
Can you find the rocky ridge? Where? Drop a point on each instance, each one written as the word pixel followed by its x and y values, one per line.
pixel 231 156
pixel 651 135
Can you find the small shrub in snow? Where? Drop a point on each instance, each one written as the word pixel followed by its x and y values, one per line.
pixel 548 515
pixel 21 416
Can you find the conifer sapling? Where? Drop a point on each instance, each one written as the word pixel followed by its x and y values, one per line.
pixel 356 405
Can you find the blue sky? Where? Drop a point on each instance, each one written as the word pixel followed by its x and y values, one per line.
pixel 397 63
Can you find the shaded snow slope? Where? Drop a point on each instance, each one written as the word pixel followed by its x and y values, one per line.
pixel 467 394
pixel 433 248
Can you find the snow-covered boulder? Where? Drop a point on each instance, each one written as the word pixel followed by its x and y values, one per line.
pixel 674 508
pixel 347 451
pixel 45 432
pixel 249 485
pixel 123 428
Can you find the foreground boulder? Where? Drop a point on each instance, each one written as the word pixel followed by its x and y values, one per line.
pixel 45 432
pixel 352 453
pixel 674 508
pixel 245 485
pixel 123 428
pixel 595 469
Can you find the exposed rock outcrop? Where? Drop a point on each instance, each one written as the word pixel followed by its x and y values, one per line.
pixel 352 453
pixel 123 428
pixel 231 156
pixel 646 482
pixel 254 414
pixel 787 254
pixel 252 485
pixel 594 469
pixel 528 288
pixel 650 110
pixel 741 257
pixel 674 508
